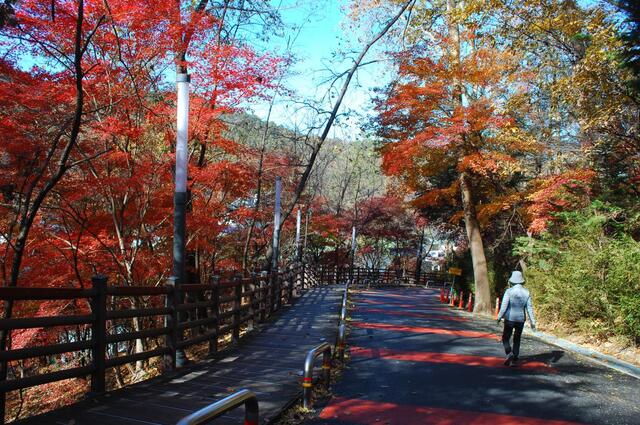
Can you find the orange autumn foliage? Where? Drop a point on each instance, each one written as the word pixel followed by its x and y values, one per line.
pixel 431 141
pixel 556 193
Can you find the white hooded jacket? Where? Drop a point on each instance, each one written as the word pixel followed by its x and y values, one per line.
pixel 514 303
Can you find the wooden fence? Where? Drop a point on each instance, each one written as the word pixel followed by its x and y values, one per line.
pixel 382 277
pixel 173 317
pixel 176 316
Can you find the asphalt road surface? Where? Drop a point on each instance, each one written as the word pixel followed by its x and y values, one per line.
pixel 416 361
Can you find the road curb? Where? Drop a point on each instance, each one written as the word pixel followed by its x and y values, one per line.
pixel 603 359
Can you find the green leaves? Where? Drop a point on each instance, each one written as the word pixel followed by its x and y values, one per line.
pixel 586 271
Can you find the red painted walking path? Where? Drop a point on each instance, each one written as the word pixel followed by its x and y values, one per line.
pixel 413 361
pixel 414 314
pixel 421 356
pixel 366 412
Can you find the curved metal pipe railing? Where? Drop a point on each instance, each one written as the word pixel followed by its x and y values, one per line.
pixel 340 344
pixel 343 308
pixel 342 325
pixel 323 349
pixel 219 408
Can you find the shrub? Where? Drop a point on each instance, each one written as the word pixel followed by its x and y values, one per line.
pixel 585 272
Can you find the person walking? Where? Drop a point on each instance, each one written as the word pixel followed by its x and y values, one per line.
pixel 515 302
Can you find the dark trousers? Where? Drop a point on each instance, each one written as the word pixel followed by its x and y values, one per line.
pixel 509 328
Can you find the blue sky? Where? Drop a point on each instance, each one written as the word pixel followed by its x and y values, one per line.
pixel 322 31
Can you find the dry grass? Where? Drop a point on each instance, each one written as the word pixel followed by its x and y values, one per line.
pixel 43 398
pixel 322 394
pixel 616 346
pixel 297 414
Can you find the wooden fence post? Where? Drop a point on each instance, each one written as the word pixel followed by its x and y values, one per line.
pixel 303 283
pixel 299 279
pixel 290 280
pixel 99 334
pixel 171 323
pixel 215 297
pixel 272 292
pixel 237 301
pixel 253 289
pixel 264 295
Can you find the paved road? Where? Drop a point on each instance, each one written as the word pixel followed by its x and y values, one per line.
pixel 415 361
pixel 269 362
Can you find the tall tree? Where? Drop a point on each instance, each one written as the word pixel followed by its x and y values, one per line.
pixel 452 145
pixel 301 185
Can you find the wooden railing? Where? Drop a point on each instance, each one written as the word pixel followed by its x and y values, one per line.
pixel 174 318
pixel 169 318
pixel 381 277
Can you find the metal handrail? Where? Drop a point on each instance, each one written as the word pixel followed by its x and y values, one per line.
pixel 307 379
pixel 219 408
pixel 343 309
pixel 342 330
pixel 345 298
pixel 340 343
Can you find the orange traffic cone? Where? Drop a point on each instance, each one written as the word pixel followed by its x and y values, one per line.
pixel 497 308
pixel 452 300
pixel 470 303
pixel 441 295
pixel 461 302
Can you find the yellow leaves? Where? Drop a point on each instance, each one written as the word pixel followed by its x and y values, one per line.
pixel 563 19
pixel 471 10
pixel 596 86
pixel 566 21
pixel 517 140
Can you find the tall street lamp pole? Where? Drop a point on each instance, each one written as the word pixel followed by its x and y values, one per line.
pixel 276 243
pixel 180 195
pixel 353 252
pixel 182 164
pixel 298 225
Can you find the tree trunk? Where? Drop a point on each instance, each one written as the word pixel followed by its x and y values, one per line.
pixel 480 273
pixel 138 344
pixel 420 256
pixel 30 211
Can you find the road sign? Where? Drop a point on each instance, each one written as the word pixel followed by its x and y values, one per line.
pixel 455 271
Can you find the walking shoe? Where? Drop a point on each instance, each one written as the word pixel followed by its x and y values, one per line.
pixel 508 360
pixel 514 362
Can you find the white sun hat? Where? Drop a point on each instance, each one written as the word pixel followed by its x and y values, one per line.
pixel 516 277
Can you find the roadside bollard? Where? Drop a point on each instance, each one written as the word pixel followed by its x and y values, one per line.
pixel 326 370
